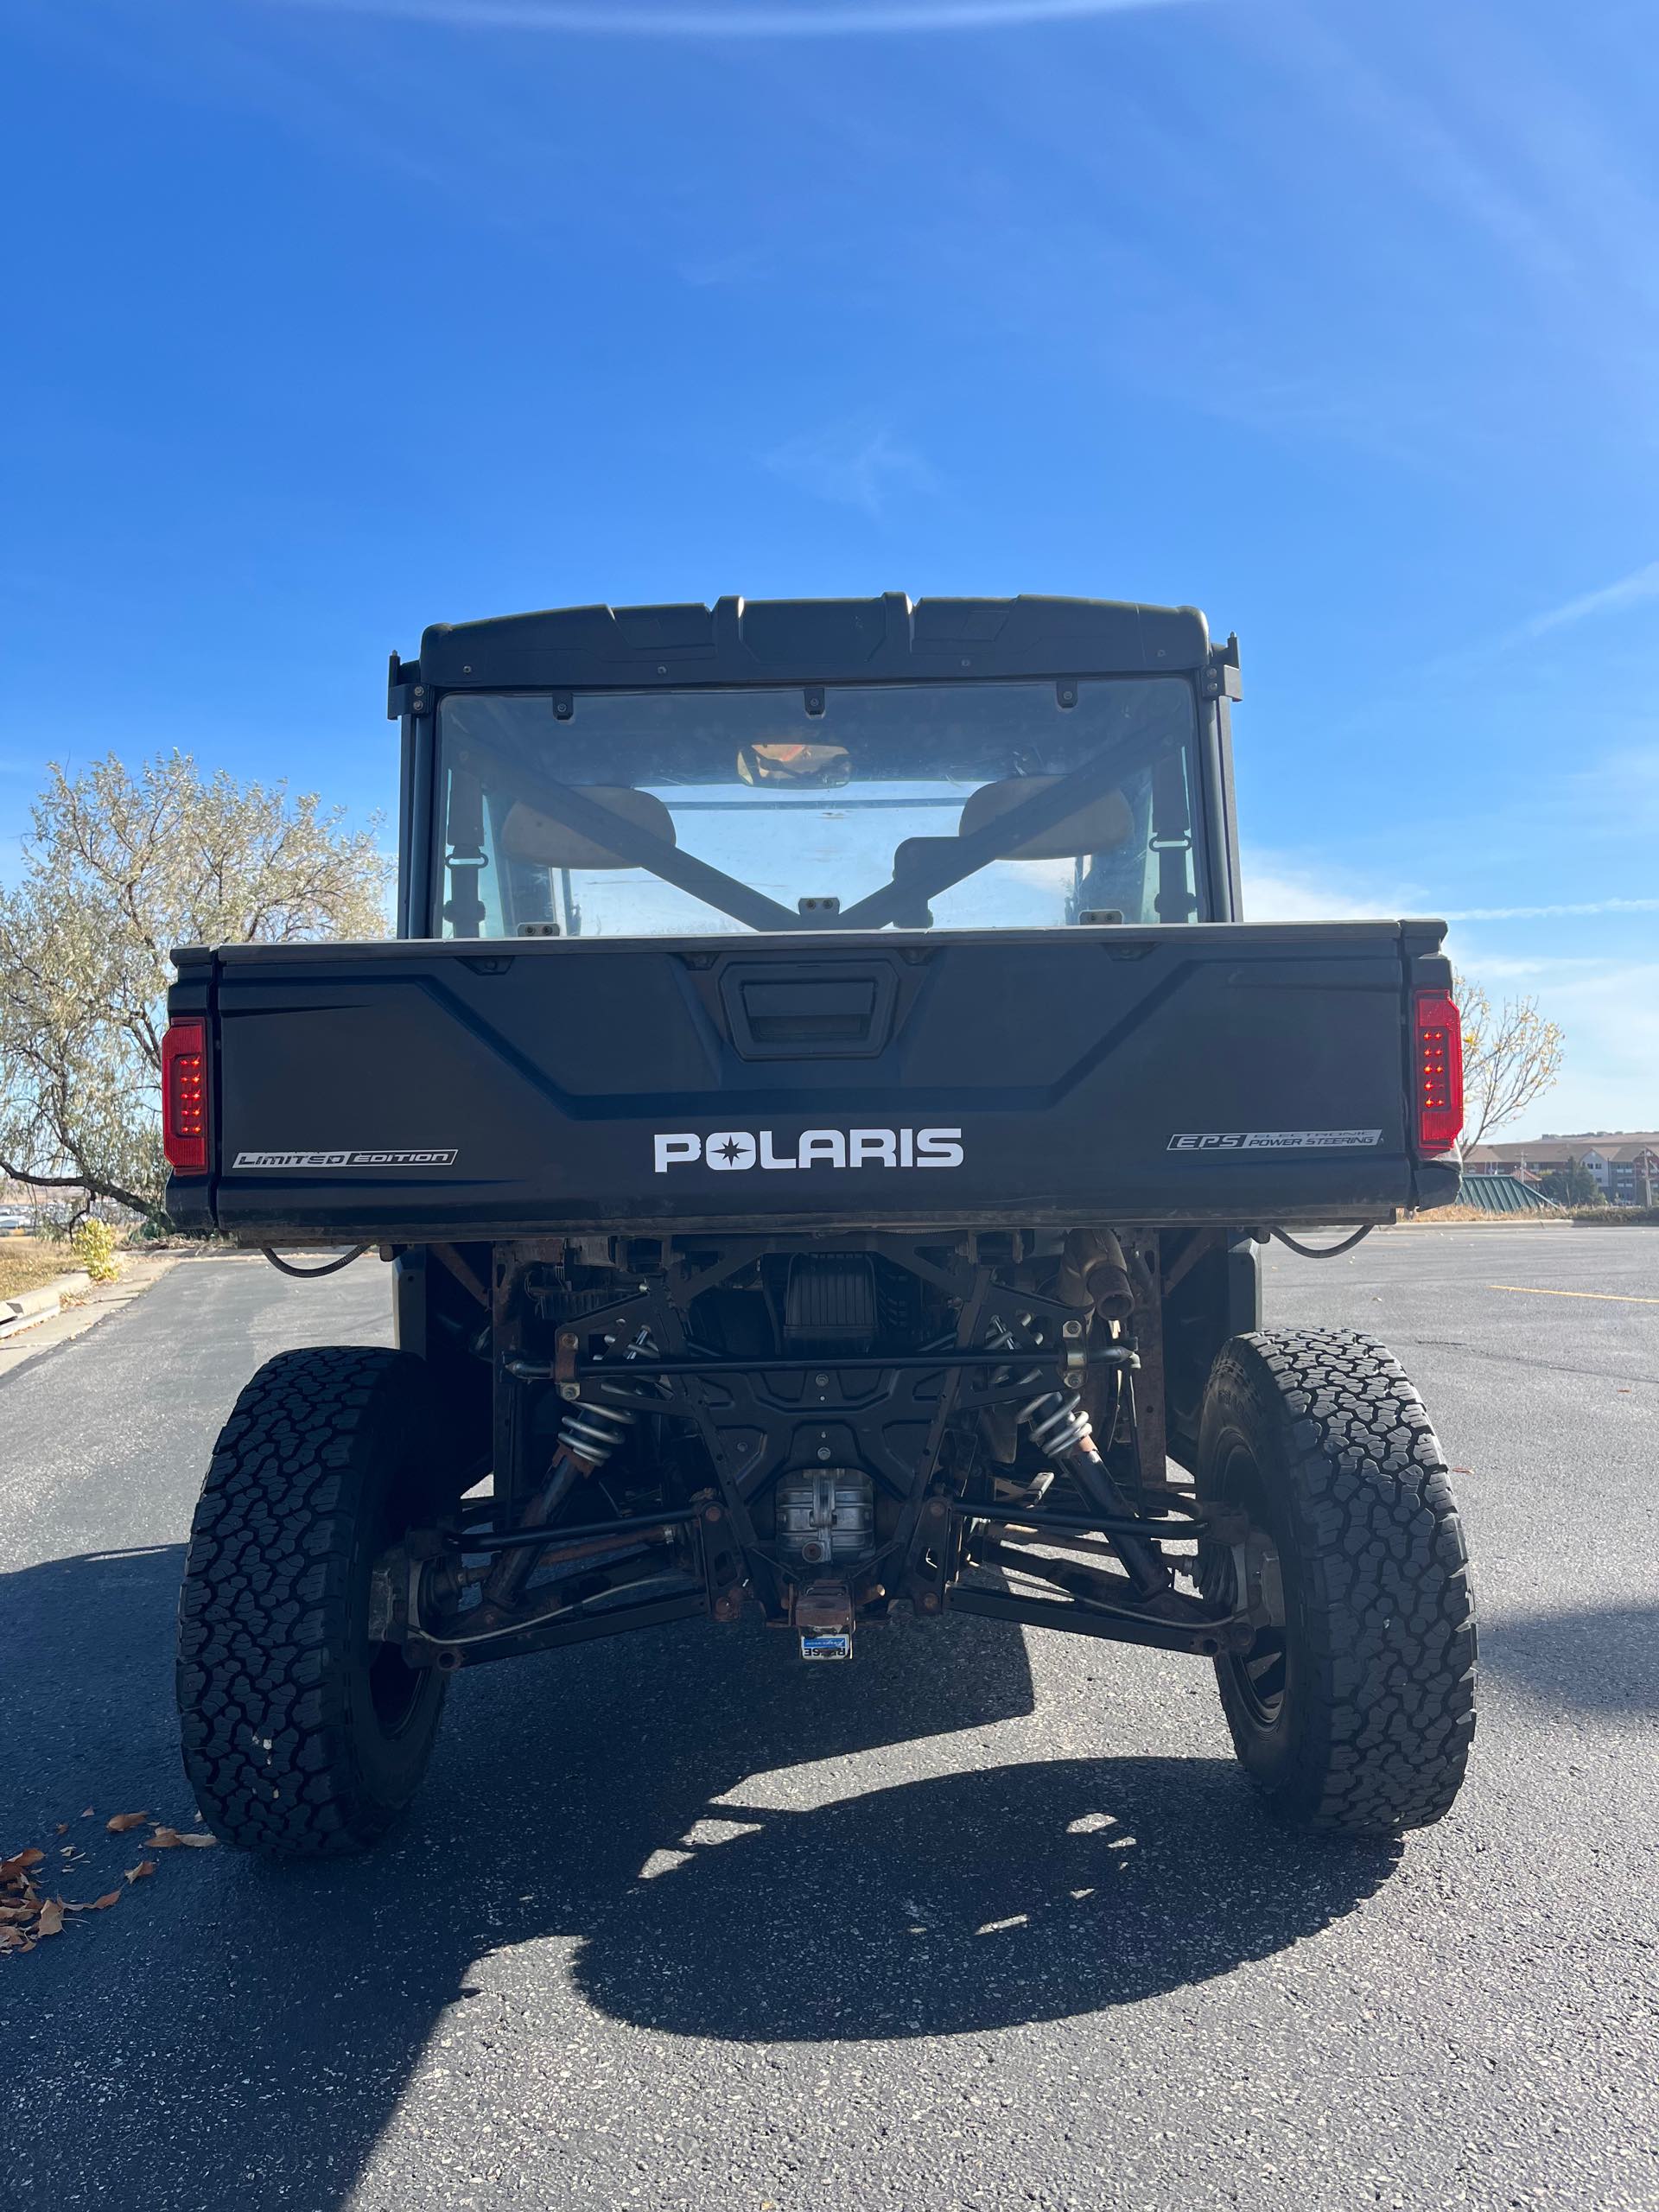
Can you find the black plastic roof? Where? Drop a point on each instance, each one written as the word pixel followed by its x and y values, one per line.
pixel 809 641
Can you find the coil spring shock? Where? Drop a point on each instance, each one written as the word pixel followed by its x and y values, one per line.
pixel 587 1436
pixel 1056 1419
pixel 592 1433
pixel 1060 1425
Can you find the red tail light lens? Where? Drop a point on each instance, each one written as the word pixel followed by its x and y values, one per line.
pixel 1437 1060
pixel 184 1096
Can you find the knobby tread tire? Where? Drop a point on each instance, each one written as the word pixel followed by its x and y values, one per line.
pixel 323 1460
pixel 1380 1709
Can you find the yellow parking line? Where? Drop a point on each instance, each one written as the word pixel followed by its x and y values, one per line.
pixel 1614 1296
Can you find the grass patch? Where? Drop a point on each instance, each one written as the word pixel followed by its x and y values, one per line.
pixel 25 1263
pixel 1448 1216
pixel 1582 1217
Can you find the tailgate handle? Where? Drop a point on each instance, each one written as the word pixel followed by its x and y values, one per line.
pixel 801 1012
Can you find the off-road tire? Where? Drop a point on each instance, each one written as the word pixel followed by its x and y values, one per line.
pixel 1319 1435
pixel 300 1738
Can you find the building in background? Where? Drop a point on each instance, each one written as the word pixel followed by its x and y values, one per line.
pixel 1623 1163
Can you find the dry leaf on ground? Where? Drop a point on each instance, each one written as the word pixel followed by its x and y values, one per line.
pixel 26 1915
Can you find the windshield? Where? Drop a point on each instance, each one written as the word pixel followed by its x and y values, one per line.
pixel 868 806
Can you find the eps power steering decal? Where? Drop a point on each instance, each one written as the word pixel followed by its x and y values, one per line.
pixel 1274 1140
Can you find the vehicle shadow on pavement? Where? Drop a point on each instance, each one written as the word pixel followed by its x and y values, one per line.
pixel 235 2033
pixel 976 1900
pixel 1594 1658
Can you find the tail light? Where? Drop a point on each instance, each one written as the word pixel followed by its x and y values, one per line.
pixel 1437 1065
pixel 184 1095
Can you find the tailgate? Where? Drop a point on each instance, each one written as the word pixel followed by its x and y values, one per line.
pixel 1215 1072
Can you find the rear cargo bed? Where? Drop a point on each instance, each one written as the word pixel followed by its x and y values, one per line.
pixel 411 1091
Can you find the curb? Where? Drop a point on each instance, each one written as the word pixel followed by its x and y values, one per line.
pixel 39 1305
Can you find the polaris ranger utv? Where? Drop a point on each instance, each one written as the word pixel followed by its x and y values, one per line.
pixel 820 1107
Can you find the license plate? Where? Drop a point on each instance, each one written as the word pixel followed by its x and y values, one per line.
pixel 826 1647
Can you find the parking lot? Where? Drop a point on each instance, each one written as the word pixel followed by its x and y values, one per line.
pixel 981 1920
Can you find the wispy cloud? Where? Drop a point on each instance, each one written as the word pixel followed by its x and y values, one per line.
pixel 830 19
pixel 858 463
pixel 1514 198
pixel 1629 591
pixel 1285 887
pixel 1549 913
pixel 1606 1001
pixel 1609 1013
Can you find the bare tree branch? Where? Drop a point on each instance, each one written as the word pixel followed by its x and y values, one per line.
pixel 120 868
pixel 92 1186
pixel 1510 1058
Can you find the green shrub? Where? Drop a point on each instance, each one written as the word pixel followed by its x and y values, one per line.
pixel 93 1245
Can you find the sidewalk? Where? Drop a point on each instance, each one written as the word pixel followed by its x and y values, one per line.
pixel 92 1302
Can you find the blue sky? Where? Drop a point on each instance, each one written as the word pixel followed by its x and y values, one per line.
pixel 1339 320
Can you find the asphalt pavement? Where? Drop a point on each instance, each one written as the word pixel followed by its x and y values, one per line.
pixel 981 1920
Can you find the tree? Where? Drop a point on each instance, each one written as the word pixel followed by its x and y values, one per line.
pixel 120 869
pixel 1572 1185
pixel 1510 1058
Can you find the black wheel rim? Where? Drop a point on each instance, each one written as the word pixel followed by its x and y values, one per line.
pixel 394 1687
pixel 1259 1675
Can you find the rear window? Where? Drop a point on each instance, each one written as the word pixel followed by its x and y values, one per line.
pixel 907 806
